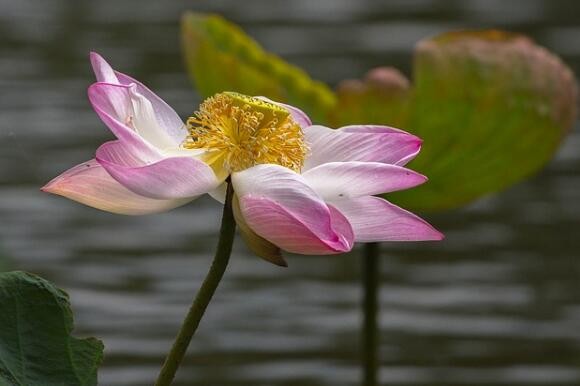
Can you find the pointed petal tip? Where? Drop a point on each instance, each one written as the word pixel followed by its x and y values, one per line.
pixel 94 55
pixel 417 178
pixel 52 186
pixel 416 144
pixel 440 236
pixel 417 141
pixel 374 219
pixel 89 184
pixel 429 233
pixel 432 234
pixel 102 69
pixel 412 138
pixel 97 62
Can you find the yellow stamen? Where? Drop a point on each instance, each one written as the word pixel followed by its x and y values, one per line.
pixel 239 131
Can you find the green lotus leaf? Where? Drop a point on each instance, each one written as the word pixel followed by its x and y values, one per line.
pixel 36 348
pixel 491 106
pixel 221 57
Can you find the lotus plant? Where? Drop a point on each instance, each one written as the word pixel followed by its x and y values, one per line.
pixel 289 184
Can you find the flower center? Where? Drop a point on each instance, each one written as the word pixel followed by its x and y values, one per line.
pixel 238 132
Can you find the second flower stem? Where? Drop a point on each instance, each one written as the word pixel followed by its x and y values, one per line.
pixel 204 295
pixel 370 334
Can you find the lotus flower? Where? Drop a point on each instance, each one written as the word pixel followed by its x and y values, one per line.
pixel 299 187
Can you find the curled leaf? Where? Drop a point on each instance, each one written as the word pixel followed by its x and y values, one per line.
pixel 221 57
pixel 492 108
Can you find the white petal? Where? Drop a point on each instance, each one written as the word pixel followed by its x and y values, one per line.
pixel 341 180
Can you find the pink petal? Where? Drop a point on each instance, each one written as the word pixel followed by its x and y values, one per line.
pixel 130 115
pixel 280 207
pixel 328 145
pixel 375 219
pixel 166 116
pixel 169 178
pixel 341 180
pixel 110 103
pixel 259 245
pixel 90 184
pixel 281 227
pixel 103 71
pixel 298 115
pixel 379 129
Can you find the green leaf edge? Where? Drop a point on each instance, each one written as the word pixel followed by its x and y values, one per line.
pixel 297 87
pixel 63 301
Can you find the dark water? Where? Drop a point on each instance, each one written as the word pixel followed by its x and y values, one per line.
pixel 497 303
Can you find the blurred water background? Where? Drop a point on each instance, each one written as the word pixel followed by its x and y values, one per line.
pixel 497 303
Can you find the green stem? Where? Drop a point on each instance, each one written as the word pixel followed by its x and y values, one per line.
pixel 204 295
pixel 370 310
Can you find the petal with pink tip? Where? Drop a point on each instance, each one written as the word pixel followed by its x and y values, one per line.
pixel 379 129
pixel 129 114
pixel 103 71
pixel 111 105
pixel 341 180
pixel 169 178
pixel 90 184
pixel 279 206
pixel 328 145
pixel 166 116
pixel 374 219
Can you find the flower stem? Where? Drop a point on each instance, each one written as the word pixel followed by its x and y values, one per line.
pixel 204 295
pixel 370 310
